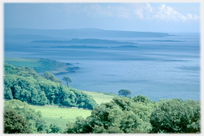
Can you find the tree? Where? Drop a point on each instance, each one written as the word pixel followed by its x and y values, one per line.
pixel 34 119
pixel 42 99
pixel 124 92
pixel 54 128
pixel 141 98
pixel 51 77
pixel 15 123
pixel 26 85
pixel 176 116
pixel 67 79
pixel 121 115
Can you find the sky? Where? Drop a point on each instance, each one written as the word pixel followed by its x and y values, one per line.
pixel 150 17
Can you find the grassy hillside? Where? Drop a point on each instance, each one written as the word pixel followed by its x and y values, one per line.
pixel 23 62
pixel 43 65
pixel 99 97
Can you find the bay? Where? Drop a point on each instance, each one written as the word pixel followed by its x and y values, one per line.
pixel 156 69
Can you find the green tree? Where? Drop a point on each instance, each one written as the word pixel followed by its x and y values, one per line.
pixel 122 115
pixel 42 98
pixel 141 98
pixel 35 122
pixel 51 77
pixel 14 123
pixel 124 92
pixel 25 84
pixel 54 128
pixel 67 79
pixel 176 116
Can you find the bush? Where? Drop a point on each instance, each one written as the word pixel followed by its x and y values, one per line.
pixel 14 123
pixel 176 116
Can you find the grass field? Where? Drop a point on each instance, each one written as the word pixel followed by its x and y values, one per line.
pixel 23 62
pixel 99 97
pixel 61 116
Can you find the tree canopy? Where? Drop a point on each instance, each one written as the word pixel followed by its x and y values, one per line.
pixel 24 84
pixel 20 118
pixel 122 115
pixel 140 115
pixel 14 123
pixel 124 92
pixel 67 79
pixel 176 116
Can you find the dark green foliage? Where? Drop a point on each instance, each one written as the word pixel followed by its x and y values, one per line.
pixel 122 115
pixel 14 123
pixel 34 121
pixel 140 115
pixel 51 77
pixel 124 92
pixel 67 79
pixel 26 85
pixel 141 98
pixel 42 98
pixel 176 116
pixel 54 128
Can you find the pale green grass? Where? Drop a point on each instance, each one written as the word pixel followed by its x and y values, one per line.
pixel 21 59
pixel 22 62
pixel 100 97
pixel 60 116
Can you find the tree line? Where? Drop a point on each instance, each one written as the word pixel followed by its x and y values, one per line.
pixel 122 115
pixel 140 115
pixel 24 84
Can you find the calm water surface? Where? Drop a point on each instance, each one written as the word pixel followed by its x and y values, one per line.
pixel 155 69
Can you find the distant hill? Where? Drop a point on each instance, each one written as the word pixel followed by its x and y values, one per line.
pixel 27 37
pixel 79 33
pixel 82 41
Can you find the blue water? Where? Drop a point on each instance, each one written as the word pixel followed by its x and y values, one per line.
pixel 155 69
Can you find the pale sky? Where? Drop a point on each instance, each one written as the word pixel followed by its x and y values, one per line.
pixel 152 17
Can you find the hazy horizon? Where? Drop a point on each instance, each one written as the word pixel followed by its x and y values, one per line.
pixel 141 17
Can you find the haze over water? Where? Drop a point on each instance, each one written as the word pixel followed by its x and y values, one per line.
pixel 157 68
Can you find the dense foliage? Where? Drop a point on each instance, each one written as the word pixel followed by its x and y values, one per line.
pixel 176 116
pixel 124 92
pixel 14 123
pixel 140 115
pixel 122 115
pixel 20 118
pixel 24 84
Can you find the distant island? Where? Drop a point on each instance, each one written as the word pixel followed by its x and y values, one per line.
pixel 39 34
pixel 159 41
pixel 82 41
pixel 90 47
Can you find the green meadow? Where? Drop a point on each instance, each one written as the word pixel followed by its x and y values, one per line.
pixel 61 116
pixel 23 62
pixel 99 97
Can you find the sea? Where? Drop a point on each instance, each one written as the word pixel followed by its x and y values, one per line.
pixel 160 67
